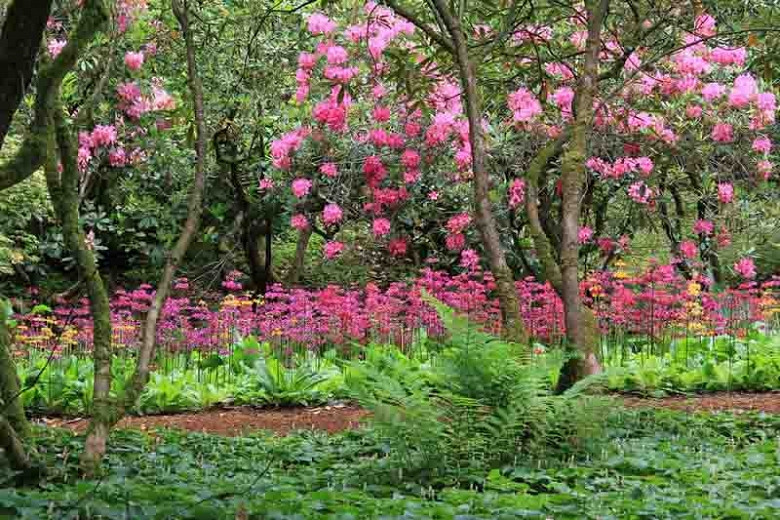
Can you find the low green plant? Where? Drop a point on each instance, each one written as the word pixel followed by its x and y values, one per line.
pixel 481 403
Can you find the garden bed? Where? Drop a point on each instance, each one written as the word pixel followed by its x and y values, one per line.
pixel 768 402
pixel 238 421
pixel 234 422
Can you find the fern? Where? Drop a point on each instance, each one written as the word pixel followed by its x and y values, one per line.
pixel 480 405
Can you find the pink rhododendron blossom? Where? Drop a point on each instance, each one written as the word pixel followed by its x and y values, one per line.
pixel 331 114
pixel 411 176
pixel 104 135
pixel 336 55
pixel 762 145
pixel 729 56
pixel 380 227
pixel 455 242
pixel 134 60
pixel 765 168
pixel 85 140
pixel 744 91
pixel 694 111
pixel 524 105
pixel 265 184
pixel 83 158
pixel 723 133
pixel 585 235
pixel 410 159
pixel 689 249
pixel 704 25
pixel 703 227
pixel 469 259
pixel 333 249
pixel 645 165
pixel 433 195
pixel 117 157
pixel 516 193
pixel 162 100
pixel 397 247
pixel 318 24
pixel 332 214
pixel 712 91
pixel 329 169
pixel 458 223
pixel 746 268
pixel 301 187
pixel 299 222
pixel 725 192
pixel 55 47
pixel 381 114
pixel 640 193
pixel 307 60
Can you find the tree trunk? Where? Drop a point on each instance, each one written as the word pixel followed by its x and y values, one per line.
pixel 32 153
pixel 194 211
pixel 10 387
pixel 296 269
pixel 64 193
pixel 20 40
pixel 12 446
pixel 581 332
pixel 484 218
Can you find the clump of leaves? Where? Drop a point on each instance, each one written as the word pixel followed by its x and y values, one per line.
pixel 483 403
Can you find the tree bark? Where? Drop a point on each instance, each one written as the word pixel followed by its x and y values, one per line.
pixel 64 193
pixel 296 269
pixel 514 328
pixel 12 446
pixel 32 152
pixel 20 40
pixel 194 210
pixel 10 387
pixel 581 334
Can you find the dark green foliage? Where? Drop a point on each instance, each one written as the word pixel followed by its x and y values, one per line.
pixel 659 465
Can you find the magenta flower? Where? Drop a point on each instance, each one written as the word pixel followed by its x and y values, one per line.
pixel 332 214
pixel 722 133
pixel 318 24
pixel 725 192
pixel 381 227
pixel 301 187
pixel 134 60
pixel 299 222
pixel 333 249
pixel 746 268
pixel 689 249
pixel 585 235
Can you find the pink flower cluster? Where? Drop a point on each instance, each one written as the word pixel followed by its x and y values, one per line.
pixel 654 302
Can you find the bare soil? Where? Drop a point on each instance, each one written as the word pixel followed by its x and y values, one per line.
pixel 244 420
pixel 239 421
pixel 723 401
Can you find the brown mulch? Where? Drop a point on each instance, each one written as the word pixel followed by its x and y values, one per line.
pixel 239 421
pixel 725 401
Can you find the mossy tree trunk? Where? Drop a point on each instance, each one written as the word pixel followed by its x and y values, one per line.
pixel 20 40
pixel 64 192
pixel 485 220
pixel 14 428
pixel 581 326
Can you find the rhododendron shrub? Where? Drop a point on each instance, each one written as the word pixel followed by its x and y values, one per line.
pixel 683 138
pixel 368 151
